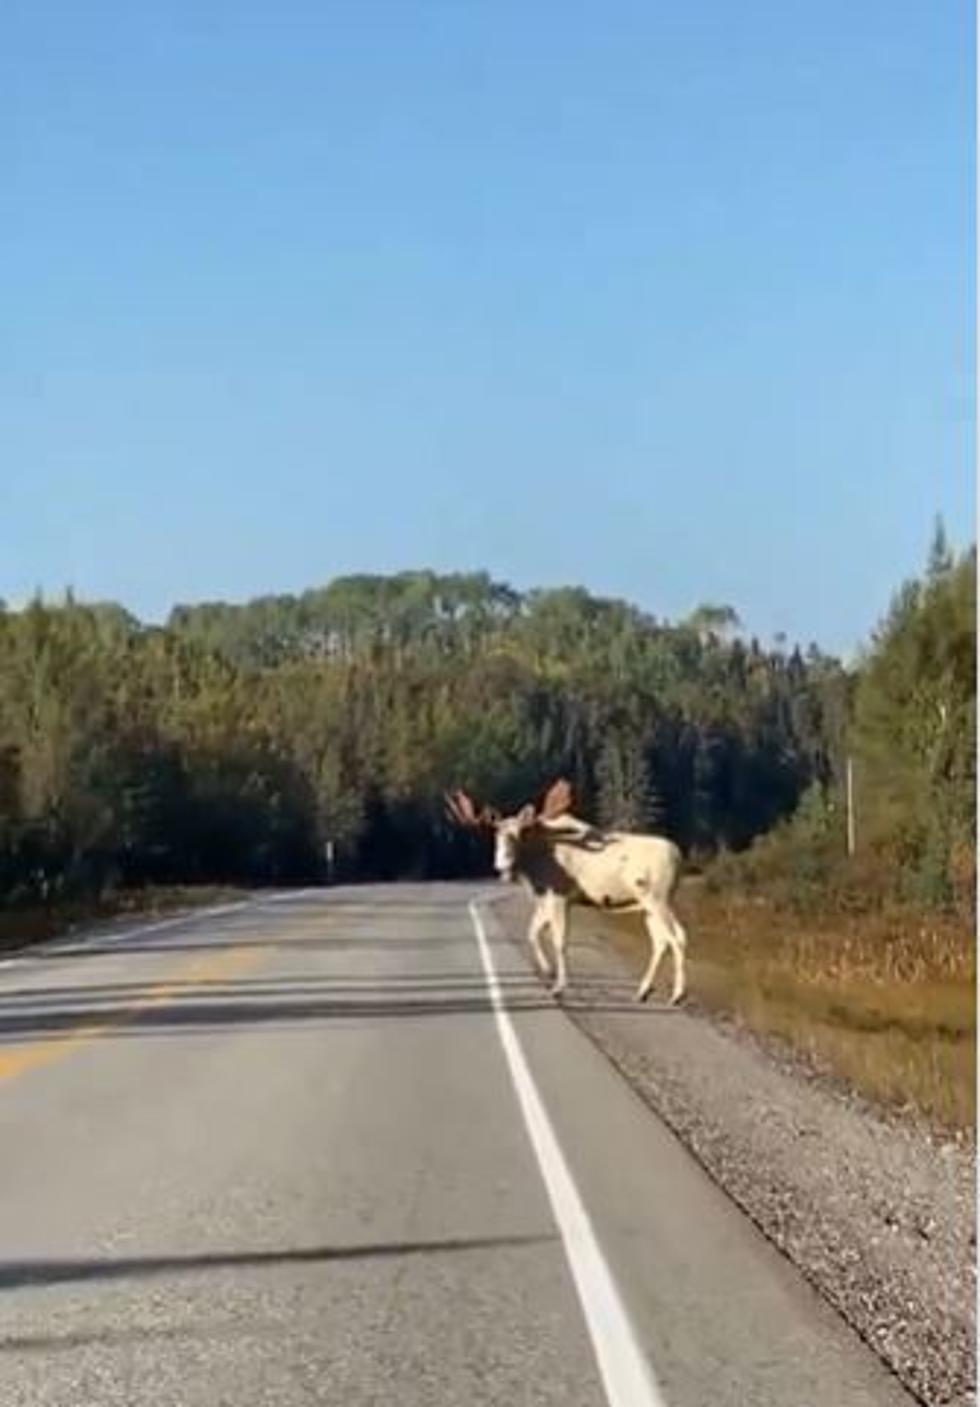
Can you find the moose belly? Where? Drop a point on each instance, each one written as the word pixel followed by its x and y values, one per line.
pixel 610 893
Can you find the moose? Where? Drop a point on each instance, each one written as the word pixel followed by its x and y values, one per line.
pixel 562 860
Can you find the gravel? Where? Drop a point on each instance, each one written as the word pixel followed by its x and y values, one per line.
pixel 877 1212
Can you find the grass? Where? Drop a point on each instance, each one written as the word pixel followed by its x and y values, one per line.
pixel 22 925
pixel 885 1002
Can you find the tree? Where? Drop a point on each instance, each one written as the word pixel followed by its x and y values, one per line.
pixel 713 622
pixel 915 727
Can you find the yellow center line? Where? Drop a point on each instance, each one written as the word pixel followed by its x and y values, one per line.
pixel 16 1059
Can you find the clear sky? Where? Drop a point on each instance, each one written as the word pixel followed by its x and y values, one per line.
pixel 671 300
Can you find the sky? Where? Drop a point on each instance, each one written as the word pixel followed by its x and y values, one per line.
pixel 673 301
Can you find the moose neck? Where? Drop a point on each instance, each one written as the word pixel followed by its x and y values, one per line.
pixel 555 853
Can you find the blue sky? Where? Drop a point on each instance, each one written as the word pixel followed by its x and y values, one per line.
pixel 672 301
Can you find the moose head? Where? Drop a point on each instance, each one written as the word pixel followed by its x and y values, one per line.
pixel 509 831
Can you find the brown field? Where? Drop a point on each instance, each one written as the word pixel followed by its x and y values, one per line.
pixel 886 1002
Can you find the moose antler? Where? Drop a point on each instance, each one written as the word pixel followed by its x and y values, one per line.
pixel 460 808
pixel 557 801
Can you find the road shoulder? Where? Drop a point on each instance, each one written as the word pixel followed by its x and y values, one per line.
pixel 879 1217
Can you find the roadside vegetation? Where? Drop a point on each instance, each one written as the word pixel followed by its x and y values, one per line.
pixel 885 1002
pixel 866 964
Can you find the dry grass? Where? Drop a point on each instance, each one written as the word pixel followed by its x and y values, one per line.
pixel 886 1002
pixel 21 926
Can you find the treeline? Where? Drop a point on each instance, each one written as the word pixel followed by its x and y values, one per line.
pixel 911 737
pixel 235 742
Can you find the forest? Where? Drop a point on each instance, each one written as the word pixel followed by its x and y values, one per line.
pixel 234 742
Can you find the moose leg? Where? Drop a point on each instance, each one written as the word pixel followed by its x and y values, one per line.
pixel 678 948
pixel 559 933
pixel 658 929
pixel 539 921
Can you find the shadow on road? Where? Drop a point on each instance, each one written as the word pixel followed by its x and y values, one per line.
pixel 21 1274
pixel 196 1007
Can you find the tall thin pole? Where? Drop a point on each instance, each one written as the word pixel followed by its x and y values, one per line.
pixel 850 805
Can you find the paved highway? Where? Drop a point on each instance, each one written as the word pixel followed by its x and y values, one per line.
pixel 337 1147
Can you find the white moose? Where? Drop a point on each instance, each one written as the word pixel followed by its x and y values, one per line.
pixel 563 861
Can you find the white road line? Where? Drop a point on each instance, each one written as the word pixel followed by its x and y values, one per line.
pixel 121 935
pixel 626 1374
pixel 286 896
pixel 82 940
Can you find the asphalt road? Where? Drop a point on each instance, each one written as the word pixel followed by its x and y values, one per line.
pixel 340 1148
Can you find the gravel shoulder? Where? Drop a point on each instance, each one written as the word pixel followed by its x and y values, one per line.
pixel 877 1213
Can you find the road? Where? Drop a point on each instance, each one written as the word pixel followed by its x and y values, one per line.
pixel 339 1148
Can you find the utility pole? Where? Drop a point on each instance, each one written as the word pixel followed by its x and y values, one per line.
pixel 850 805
